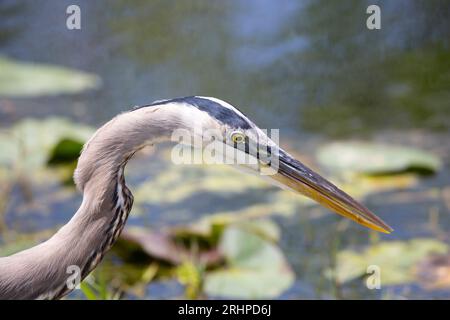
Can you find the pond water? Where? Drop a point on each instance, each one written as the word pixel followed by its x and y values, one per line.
pixel 310 68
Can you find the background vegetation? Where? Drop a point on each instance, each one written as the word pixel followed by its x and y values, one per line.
pixel 369 109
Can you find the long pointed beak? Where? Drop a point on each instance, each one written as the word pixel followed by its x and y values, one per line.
pixel 296 176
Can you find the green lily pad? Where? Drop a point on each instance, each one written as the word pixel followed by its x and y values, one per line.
pixel 369 158
pixel 31 143
pixel 65 151
pixel 25 79
pixel 208 226
pixel 204 178
pixel 256 268
pixel 396 259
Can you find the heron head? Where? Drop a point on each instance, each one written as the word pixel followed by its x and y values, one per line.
pixel 236 140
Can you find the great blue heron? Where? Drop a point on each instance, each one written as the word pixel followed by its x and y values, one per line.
pixel 41 272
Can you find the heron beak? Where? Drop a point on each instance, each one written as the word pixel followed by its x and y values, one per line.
pixel 296 176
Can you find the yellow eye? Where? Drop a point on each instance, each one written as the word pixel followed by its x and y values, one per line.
pixel 238 137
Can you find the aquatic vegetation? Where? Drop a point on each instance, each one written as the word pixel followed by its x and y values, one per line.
pixel 191 276
pixel 310 69
pixel 255 267
pixel 199 178
pixel 233 249
pixel 26 150
pixel 397 260
pixel 375 159
pixel 96 288
pixel 27 79
pixel 30 144
pixel 238 260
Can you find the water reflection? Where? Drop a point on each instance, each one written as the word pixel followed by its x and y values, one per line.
pixel 315 59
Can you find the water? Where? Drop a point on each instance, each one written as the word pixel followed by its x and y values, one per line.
pixel 311 68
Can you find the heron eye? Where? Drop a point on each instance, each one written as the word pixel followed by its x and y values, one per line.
pixel 237 137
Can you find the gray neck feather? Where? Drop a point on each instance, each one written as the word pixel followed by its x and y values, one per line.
pixel 42 271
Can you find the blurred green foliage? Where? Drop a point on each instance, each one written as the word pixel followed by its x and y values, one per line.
pixel 376 159
pixel 395 259
pixel 31 143
pixel 256 268
pixel 21 79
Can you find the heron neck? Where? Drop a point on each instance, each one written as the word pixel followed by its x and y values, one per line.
pixel 44 271
pixel 50 269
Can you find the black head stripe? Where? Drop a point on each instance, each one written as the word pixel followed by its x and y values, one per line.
pixel 214 109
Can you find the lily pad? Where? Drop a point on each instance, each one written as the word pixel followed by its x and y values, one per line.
pixel 25 79
pixel 31 143
pixel 203 178
pixel 369 158
pixel 256 268
pixel 163 246
pixel 253 219
pixel 396 259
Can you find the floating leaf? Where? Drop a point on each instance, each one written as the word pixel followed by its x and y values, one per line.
pixel 264 228
pixel 256 268
pixel 25 79
pixel 360 185
pixel 31 143
pixel 371 158
pixel 163 246
pixel 209 226
pixel 396 260
pixel 201 178
pixel 65 151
